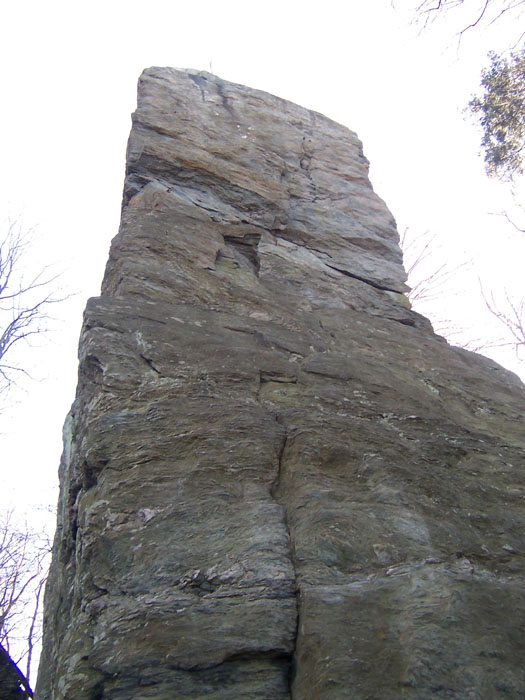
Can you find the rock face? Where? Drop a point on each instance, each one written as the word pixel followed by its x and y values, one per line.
pixel 13 683
pixel 277 481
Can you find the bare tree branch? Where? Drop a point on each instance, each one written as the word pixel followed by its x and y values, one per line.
pixel 511 314
pixel 506 216
pixel 24 302
pixel 425 277
pixel 476 22
pixel 428 10
pixel 517 213
pixel 32 634
pixel 24 555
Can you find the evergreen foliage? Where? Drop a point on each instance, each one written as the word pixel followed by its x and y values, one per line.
pixel 501 112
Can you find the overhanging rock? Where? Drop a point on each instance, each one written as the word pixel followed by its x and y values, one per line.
pixel 277 481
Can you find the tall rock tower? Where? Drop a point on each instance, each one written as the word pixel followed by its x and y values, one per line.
pixel 277 481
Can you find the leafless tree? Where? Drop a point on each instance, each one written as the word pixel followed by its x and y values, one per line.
pixel 484 11
pixel 24 555
pixel 24 300
pixel 426 277
pixel 510 312
pixel 428 281
pixel 516 217
pixel 417 251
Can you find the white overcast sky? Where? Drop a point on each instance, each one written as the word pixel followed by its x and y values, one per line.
pixel 69 74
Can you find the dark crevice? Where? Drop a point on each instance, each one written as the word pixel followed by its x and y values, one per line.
pixel 305 163
pixel 137 121
pixel 236 657
pixel 266 377
pixel 98 691
pixel 325 373
pixel 247 246
pixel 404 321
pixel 301 240
pixel 279 378
pixel 150 364
pixel 306 156
pixel 92 369
pixel 218 257
pixel 201 82
pixel 267 342
pixel 90 473
pixel 376 285
pixel 248 331
pixel 258 654
pixel 317 250
pixel 225 99
pixel 274 490
pixel 72 511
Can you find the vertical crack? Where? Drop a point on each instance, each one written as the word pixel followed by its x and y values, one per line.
pixel 226 101
pixel 306 156
pixel 275 491
pixel 305 163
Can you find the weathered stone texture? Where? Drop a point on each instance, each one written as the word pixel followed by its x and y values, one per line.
pixel 277 482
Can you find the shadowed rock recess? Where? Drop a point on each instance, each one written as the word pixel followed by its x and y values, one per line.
pixel 277 481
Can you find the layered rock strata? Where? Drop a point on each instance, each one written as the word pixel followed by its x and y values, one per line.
pixel 277 481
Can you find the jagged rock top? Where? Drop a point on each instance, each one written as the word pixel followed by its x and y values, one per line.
pixel 254 178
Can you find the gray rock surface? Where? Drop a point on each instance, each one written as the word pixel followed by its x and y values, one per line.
pixel 277 481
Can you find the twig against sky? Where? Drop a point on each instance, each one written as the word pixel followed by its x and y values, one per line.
pixel 24 300
pixel 489 11
pixel 24 555
pixel 511 314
